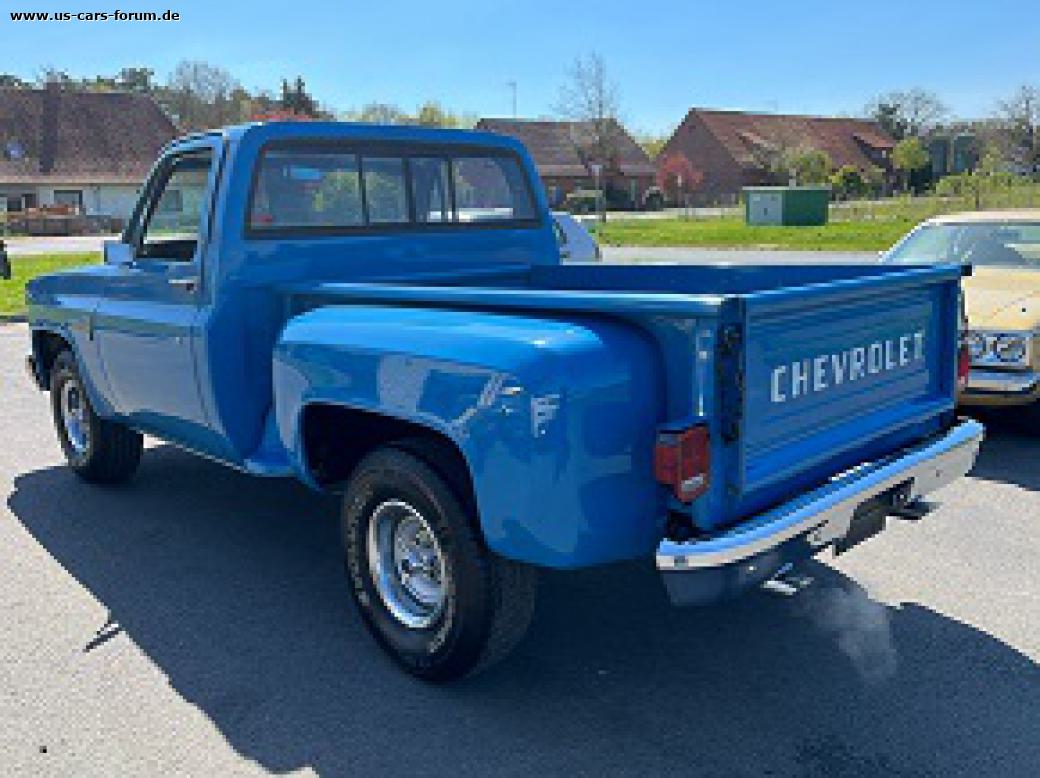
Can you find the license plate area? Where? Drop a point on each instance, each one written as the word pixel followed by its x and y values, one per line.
pixel 871 515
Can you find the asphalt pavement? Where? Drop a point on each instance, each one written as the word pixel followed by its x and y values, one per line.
pixel 58 244
pixel 197 622
pixel 709 256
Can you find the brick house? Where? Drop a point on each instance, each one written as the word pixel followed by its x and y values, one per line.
pixel 89 151
pixel 560 150
pixel 721 152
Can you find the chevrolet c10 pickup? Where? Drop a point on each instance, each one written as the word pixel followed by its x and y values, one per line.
pixel 382 312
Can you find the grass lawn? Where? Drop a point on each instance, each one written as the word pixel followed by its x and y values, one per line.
pixel 12 293
pixel 734 233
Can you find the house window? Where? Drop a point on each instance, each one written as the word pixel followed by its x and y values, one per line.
pixel 73 198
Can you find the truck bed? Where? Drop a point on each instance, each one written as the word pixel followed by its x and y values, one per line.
pixel 766 355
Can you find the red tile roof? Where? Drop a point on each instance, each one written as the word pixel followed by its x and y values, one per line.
pixel 846 141
pixel 554 145
pixel 61 136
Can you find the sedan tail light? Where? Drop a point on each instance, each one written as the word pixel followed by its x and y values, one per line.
pixel 681 461
pixel 963 364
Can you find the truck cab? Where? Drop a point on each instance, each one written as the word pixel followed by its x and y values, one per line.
pixel 382 312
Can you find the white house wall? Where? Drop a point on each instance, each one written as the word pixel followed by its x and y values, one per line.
pixel 110 200
pixel 98 199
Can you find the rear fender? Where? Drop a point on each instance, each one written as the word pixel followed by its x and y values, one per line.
pixel 554 418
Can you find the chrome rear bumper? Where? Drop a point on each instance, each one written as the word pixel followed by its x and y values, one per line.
pixel 1002 382
pixel 755 549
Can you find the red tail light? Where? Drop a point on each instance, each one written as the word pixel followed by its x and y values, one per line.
pixel 681 460
pixel 963 364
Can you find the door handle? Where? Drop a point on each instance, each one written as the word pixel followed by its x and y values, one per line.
pixel 187 284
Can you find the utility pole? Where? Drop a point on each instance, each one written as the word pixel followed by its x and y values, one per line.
pixel 512 86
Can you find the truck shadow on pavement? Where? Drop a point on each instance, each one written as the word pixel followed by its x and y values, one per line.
pixel 1010 453
pixel 233 587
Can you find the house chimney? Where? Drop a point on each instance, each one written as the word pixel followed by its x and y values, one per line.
pixel 49 130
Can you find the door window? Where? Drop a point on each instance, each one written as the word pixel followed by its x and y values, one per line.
pixel 177 210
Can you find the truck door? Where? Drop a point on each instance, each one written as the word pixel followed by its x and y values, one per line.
pixel 146 325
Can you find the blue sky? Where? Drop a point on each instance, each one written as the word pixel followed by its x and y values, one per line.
pixel 799 56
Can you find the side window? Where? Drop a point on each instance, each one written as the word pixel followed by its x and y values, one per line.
pixel 490 189
pixel 385 193
pixel 177 210
pixel 430 190
pixel 307 189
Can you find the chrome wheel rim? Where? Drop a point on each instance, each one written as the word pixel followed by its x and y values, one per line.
pixel 74 416
pixel 407 565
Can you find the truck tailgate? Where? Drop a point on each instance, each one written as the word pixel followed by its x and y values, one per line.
pixel 825 377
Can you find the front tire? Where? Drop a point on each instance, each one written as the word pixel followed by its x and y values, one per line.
pixel 97 450
pixel 429 591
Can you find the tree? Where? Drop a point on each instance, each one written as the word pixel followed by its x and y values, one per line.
pixel 909 155
pixel 199 96
pixel 590 100
pixel 136 80
pixel 1019 119
pixel 297 101
pixel 11 81
pixel 432 114
pixel 651 144
pixel 807 165
pixel 847 181
pixel 909 113
pixel 677 177
pixel 379 113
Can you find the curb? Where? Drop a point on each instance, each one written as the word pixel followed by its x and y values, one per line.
pixel 13 318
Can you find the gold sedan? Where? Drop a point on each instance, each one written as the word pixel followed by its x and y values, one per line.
pixel 1001 298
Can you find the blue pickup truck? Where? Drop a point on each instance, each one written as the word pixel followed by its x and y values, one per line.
pixel 382 312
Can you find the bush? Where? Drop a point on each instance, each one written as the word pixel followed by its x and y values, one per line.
pixel 847 181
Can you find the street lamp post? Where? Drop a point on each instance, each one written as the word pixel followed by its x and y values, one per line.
pixel 601 200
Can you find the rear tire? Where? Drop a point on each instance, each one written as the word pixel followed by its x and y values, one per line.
pixel 428 589
pixel 98 451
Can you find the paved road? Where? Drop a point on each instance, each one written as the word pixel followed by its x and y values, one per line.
pixel 196 622
pixel 626 254
pixel 74 244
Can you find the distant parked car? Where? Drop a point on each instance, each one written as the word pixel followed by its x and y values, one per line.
pixel 576 242
pixel 581 201
pixel 1001 299
pixel 653 199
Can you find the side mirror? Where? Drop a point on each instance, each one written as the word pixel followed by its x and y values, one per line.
pixel 5 263
pixel 118 253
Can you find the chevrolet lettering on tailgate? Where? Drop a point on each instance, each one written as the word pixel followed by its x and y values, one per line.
pixel 822 372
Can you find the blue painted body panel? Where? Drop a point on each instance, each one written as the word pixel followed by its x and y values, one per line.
pixel 551 380
pixel 555 417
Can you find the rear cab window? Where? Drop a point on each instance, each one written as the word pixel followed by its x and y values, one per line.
pixel 320 188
